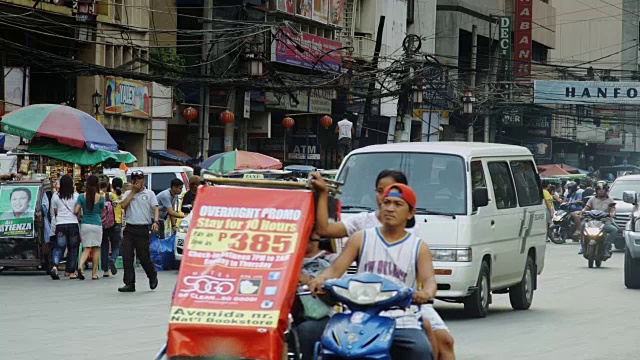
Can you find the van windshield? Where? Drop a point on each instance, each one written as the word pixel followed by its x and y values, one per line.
pixel 620 186
pixel 437 179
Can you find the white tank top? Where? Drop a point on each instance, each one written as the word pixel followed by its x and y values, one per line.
pixel 397 262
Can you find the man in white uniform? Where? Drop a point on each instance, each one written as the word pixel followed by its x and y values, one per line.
pixel 345 133
pixel 393 252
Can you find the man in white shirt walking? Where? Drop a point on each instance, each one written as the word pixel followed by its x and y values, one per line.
pixel 345 133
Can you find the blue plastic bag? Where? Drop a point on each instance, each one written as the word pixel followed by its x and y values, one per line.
pixel 161 251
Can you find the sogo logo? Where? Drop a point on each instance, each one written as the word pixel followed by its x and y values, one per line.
pixel 208 285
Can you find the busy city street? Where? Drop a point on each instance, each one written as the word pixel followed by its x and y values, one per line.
pixel 577 313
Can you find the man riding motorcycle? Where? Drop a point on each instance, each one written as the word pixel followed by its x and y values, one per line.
pixel 574 200
pixel 602 201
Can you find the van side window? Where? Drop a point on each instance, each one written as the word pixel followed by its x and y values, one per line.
pixel 161 181
pixel 502 185
pixel 524 174
pixel 477 175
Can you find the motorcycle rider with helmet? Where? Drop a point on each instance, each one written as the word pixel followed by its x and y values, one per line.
pixel 574 200
pixel 602 201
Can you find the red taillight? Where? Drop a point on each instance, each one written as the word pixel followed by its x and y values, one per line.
pixel 185 180
pixel 338 210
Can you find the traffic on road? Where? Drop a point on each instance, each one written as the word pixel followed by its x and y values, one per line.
pixel 395 255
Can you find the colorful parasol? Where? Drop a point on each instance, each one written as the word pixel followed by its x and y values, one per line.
pixel 66 125
pixel 79 156
pixel 239 160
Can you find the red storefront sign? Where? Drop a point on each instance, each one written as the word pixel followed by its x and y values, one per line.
pixel 523 43
pixel 239 272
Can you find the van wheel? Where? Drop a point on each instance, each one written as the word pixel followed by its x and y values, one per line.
pixel 477 304
pixel 631 271
pixel 521 295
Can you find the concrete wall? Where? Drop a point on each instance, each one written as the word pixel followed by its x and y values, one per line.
pixel 424 24
pixel 586 31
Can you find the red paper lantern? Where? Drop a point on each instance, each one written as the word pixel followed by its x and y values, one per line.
pixel 227 117
pixel 326 121
pixel 190 114
pixel 288 122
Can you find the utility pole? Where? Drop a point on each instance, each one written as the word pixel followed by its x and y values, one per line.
pixel 411 45
pixel 474 54
pixel 372 81
pixel 205 91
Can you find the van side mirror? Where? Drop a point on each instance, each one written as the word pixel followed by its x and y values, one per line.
pixel 630 197
pixel 480 197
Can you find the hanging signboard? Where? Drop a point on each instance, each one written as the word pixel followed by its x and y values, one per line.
pixel 236 282
pixel 304 8
pixel 504 23
pixel 127 97
pixel 586 92
pixel 320 53
pixel 523 42
pixel 17 209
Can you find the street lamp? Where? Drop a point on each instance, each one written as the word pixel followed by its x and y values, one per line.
pixel 97 101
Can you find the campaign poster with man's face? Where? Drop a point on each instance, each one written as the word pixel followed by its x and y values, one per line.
pixel 17 209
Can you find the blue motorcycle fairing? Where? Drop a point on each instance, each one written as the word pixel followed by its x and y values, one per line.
pixel 358 335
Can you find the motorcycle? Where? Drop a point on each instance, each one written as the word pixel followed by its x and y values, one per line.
pixel 593 237
pixel 363 333
pixel 562 226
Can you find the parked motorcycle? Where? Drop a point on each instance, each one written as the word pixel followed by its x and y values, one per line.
pixel 562 226
pixel 363 333
pixel 593 237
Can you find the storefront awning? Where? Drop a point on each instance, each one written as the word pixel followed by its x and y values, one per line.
pixel 164 155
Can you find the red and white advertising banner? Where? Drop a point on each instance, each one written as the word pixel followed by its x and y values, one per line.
pixel 522 49
pixel 239 271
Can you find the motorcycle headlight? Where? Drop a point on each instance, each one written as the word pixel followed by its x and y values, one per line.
pixel 183 226
pixel 453 255
pixel 364 293
pixel 593 231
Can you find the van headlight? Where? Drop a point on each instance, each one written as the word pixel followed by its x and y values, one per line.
pixel 183 226
pixel 636 225
pixel 451 255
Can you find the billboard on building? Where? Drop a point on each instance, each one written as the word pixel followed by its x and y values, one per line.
pixel 522 38
pixel 318 52
pixel 287 6
pixel 336 12
pixel 321 11
pixel 127 97
pixel 586 92
pixel 304 8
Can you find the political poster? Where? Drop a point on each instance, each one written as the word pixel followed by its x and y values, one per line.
pixel 17 209
pixel 240 266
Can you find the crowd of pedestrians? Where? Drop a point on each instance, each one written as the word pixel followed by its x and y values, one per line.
pixel 98 220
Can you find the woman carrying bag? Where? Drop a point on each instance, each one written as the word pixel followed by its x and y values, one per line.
pixel 66 227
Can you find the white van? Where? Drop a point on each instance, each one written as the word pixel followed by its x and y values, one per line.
pixel 158 178
pixel 479 208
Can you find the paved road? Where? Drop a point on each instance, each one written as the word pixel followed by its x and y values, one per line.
pixel 578 313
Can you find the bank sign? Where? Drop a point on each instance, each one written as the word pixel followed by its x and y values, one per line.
pixel 127 97
pixel 586 92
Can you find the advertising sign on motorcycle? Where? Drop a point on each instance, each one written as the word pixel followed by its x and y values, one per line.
pixel 239 271
pixel 17 209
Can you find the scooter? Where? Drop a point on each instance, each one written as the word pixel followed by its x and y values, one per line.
pixel 563 225
pixel 593 237
pixel 363 333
